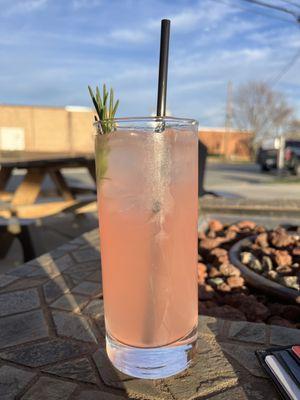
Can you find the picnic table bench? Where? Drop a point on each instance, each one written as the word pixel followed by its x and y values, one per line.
pixel 19 209
pixel 37 166
pixel 52 340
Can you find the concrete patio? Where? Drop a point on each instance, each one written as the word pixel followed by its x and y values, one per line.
pixel 52 337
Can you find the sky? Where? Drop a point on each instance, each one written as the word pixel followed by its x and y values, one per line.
pixel 50 50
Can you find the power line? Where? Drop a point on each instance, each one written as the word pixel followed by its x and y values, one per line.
pixel 296 56
pixel 252 11
pixel 280 75
pixel 285 69
pixel 292 3
pixel 291 62
pixel 273 7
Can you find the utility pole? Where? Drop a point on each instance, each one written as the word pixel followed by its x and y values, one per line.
pixel 228 120
pixel 280 154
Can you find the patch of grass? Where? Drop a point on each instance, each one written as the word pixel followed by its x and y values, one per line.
pixel 284 180
pixel 220 158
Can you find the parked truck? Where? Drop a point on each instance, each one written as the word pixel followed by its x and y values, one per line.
pixel 267 155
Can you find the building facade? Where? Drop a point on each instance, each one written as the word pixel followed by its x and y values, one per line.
pixel 69 129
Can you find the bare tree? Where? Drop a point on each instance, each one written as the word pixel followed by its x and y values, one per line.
pixel 293 130
pixel 260 109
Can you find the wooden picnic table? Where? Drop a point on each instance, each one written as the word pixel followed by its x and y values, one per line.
pixel 22 203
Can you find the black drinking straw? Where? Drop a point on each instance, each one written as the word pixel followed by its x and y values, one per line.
pixel 150 323
pixel 163 68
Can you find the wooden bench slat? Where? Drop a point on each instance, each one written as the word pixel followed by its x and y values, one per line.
pixel 30 187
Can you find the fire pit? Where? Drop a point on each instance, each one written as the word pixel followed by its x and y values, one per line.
pixel 273 269
pixel 225 289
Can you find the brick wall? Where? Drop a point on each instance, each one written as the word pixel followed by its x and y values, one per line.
pixel 51 129
pixel 232 144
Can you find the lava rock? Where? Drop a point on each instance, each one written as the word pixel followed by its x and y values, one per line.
pixel 267 263
pixel 214 272
pixel 215 282
pixel 284 270
pixel 209 304
pixel 273 275
pixel 236 299
pixel 219 252
pixel 209 243
pixel 280 238
pixel 268 251
pixel 229 270
pixel 211 234
pixel 290 282
pixel 219 256
pixel 260 229
pixel 215 225
pixel 296 251
pixel 233 228
pixel 282 257
pixel 276 309
pixel 256 265
pixel 262 240
pixel 235 282
pixel 247 225
pixel 291 312
pixel 205 292
pixel 202 273
pixel 230 235
pixel 249 305
pixel 226 312
pixel 224 288
pixel 255 310
pixel 246 257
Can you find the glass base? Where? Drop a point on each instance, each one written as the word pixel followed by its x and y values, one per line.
pixel 154 362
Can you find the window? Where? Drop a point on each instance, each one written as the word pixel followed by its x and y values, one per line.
pixel 12 138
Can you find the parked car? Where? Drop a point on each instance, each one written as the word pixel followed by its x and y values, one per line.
pixel 292 156
pixel 267 156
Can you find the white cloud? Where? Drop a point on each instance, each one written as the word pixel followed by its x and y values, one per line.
pixel 202 16
pixel 114 37
pixel 186 20
pixel 23 6
pixel 9 39
pixel 128 36
pixel 255 54
pixel 79 4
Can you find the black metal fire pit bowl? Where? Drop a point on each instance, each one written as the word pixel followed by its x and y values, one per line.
pixel 258 281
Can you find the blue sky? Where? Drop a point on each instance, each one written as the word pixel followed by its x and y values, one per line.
pixel 50 50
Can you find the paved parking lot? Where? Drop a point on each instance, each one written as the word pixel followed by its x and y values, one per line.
pixel 237 179
pixel 246 180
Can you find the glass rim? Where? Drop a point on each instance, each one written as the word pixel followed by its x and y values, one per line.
pixel 134 120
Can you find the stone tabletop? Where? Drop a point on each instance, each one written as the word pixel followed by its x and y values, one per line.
pixel 52 340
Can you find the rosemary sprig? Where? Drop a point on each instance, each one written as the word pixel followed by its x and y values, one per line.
pixel 105 108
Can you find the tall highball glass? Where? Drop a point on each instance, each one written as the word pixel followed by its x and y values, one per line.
pixel 148 210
